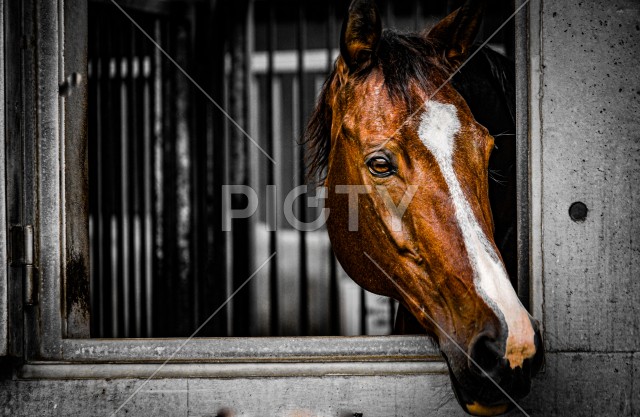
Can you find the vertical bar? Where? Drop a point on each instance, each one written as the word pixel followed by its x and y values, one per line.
pixel 110 254
pixel 392 314
pixel 215 282
pixel 14 135
pixel 146 185
pixel 165 168
pixel 391 21
pixel 163 174
pixel 273 242
pixel 363 312
pixel 128 173
pixel 74 175
pixel 122 181
pixel 238 81
pixel 168 323
pixel 302 209
pixel 334 295
pixel 4 281
pixel 198 178
pixel 135 191
pixel 95 186
pixel 102 72
pixel 155 233
pixel 185 321
pixel 43 192
pixel 210 283
pixel 453 5
pixel 417 15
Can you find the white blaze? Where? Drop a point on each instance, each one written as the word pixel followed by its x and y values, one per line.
pixel 438 128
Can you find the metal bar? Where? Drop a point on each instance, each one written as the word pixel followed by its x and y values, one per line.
pixel 143 106
pixel 43 198
pixel 4 281
pixel 302 208
pixel 147 156
pixel 110 235
pixel 363 312
pixel 102 81
pixel 95 186
pixel 334 294
pixel 73 74
pixel 14 134
pixel 128 175
pixel 122 146
pixel 136 191
pixel 238 81
pixel 391 21
pixel 453 5
pixel 184 321
pixel 418 21
pixel 273 237
pixel 197 198
pixel 392 314
pixel 169 294
pixel 155 196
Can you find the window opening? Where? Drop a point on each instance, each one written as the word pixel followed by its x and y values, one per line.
pixel 159 154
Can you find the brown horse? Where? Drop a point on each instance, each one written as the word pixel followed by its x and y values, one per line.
pixel 397 145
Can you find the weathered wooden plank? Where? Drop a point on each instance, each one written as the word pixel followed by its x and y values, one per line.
pixel 591 154
pixel 586 384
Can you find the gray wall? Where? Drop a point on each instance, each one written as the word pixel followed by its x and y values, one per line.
pixel 585 143
pixel 586 132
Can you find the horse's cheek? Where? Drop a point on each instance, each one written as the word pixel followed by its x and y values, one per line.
pixel 352 246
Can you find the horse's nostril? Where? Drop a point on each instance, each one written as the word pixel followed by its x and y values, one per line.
pixel 487 355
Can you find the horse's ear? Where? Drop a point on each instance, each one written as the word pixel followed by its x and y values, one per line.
pixel 360 35
pixel 456 32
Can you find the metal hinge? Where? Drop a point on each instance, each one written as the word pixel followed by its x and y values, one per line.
pixel 22 257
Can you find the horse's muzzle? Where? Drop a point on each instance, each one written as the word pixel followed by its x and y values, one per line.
pixel 489 386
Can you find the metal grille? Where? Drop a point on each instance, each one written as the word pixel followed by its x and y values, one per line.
pixel 160 153
pixel 151 256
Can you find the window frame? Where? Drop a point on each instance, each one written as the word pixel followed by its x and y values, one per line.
pixel 50 352
pixel 4 296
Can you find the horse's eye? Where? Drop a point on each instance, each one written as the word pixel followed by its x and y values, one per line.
pixel 380 166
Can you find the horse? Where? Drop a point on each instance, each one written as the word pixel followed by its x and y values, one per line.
pixel 405 164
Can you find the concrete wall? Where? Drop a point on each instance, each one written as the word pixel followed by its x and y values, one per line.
pixel 585 141
pixel 587 133
pixel 336 396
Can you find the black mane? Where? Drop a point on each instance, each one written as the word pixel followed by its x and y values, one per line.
pixel 486 82
pixel 404 59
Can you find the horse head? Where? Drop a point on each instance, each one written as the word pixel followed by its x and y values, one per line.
pixel 406 168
